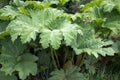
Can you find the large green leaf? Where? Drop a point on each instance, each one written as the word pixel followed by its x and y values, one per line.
pixel 28 26
pixel 88 43
pixel 70 74
pixel 44 16
pixel 49 22
pixel 26 60
pixel 13 59
pixel 57 30
pixel 27 31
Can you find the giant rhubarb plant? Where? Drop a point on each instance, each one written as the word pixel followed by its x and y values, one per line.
pixel 33 21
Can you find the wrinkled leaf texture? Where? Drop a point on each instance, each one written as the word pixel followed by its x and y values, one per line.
pixel 49 22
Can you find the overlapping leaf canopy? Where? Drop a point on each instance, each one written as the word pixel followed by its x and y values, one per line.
pixel 105 12
pixel 52 26
pixel 33 20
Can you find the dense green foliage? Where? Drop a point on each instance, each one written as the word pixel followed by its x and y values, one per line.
pixel 67 38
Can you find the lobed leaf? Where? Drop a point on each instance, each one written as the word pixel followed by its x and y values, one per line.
pixel 88 43
pixel 58 30
pixel 13 59
pixel 70 74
